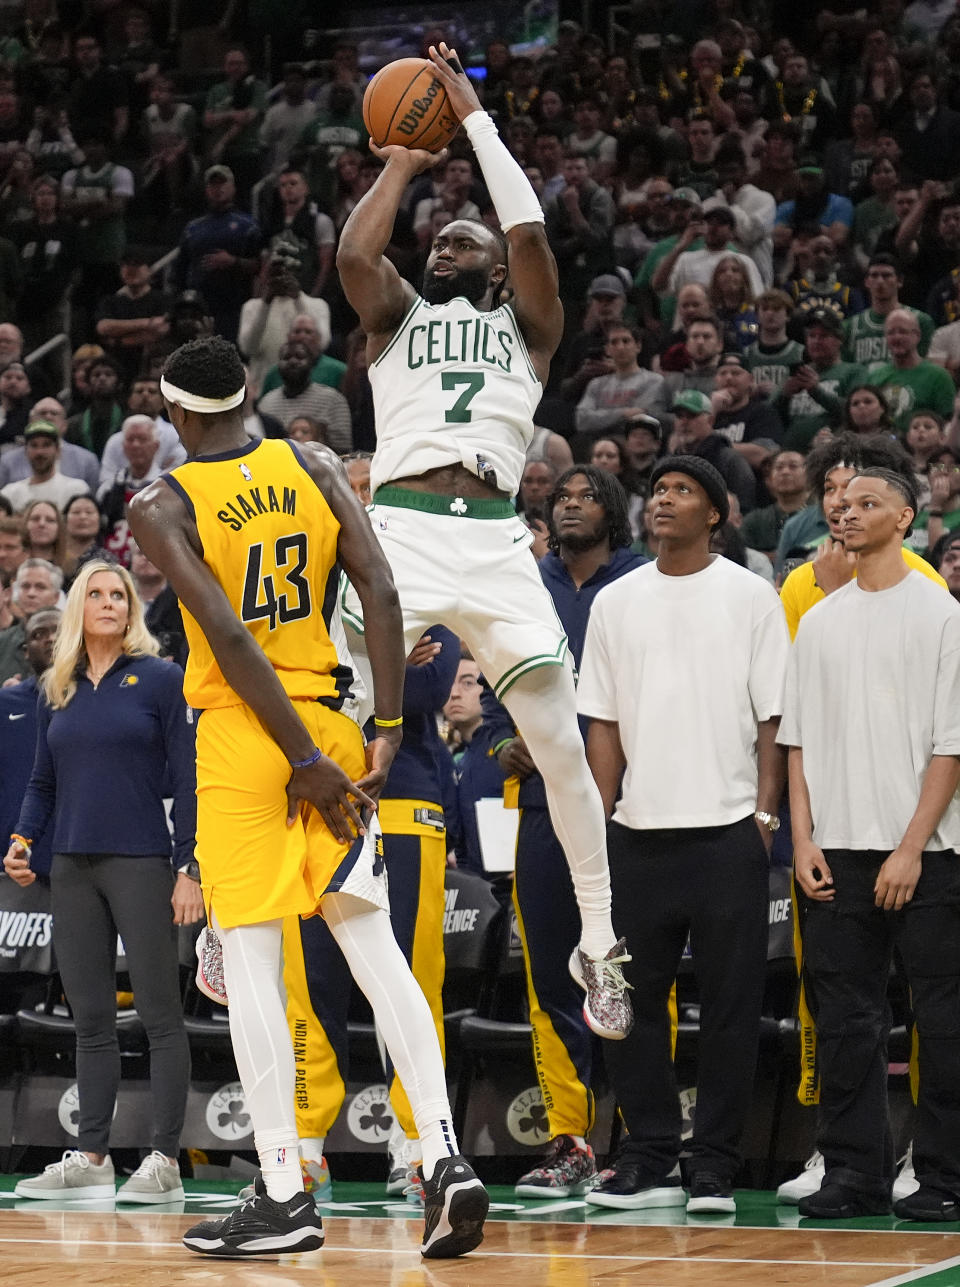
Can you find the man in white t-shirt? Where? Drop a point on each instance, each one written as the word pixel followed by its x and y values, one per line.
pixel 874 770
pixel 718 229
pixel 42 449
pixel 682 677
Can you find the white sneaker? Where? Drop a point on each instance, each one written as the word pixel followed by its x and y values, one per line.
pixel 74 1176
pixel 607 1009
pixel 403 1156
pixel 906 1182
pixel 808 1181
pixel 154 1180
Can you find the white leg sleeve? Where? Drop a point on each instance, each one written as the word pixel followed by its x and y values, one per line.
pixel 262 1048
pixel 364 935
pixel 543 704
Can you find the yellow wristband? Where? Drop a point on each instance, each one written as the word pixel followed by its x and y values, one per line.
pixel 388 723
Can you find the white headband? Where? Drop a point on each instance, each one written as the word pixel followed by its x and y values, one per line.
pixel 194 401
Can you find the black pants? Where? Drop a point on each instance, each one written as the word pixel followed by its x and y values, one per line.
pixel 848 944
pixel 550 918
pixel 94 897
pixel 713 883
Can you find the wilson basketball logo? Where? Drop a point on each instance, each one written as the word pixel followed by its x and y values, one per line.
pixel 409 123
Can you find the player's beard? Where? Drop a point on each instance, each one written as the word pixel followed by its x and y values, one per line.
pixel 581 542
pixel 471 283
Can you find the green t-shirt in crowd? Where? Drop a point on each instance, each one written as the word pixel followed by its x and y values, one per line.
pixel 772 365
pixel 919 539
pixel 224 97
pixel 805 414
pixel 924 387
pixel 761 528
pixel 644 274
pixel 326 370
pixel 870 218
pixel 865 343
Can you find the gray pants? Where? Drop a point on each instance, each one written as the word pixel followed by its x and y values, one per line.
pixel 93 897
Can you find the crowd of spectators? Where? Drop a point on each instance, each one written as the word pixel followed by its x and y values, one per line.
pixel 768 221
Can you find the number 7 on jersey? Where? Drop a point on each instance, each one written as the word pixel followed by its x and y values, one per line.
pixel 460 413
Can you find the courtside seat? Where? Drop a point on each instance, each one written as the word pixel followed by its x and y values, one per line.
pixel 9 1036
pixel 499 1031
pixel 53 1031
pixel 471 911
pixel 208 1030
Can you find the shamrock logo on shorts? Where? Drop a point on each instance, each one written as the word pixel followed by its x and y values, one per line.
pixel 458 506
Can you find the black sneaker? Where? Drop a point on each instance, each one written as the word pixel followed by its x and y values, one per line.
pixel 455 1206
pixel 627 1185
pixel 710 1194
pixel 834 1201
pixel 260 1227
pixel 932 1206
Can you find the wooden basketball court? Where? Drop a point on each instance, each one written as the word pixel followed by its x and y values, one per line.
pixel 560 1244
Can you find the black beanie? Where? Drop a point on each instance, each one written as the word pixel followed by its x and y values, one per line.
pixel 702 472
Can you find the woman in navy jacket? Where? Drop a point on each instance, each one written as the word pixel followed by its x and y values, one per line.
pixel 113 739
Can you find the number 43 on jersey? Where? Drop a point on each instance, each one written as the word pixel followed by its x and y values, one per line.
pixel 260 587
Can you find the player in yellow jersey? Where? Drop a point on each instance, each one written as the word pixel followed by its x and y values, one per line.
pixel 251 535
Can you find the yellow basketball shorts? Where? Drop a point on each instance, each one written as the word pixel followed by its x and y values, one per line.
pixel 253 866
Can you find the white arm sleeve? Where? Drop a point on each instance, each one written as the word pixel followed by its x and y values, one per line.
pixel 513 198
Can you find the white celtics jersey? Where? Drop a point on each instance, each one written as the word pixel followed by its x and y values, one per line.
pixel 454 387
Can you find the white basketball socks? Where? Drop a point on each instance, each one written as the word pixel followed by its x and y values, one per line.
pixel 543 704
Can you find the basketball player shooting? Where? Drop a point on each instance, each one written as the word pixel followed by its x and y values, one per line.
pixel 456 377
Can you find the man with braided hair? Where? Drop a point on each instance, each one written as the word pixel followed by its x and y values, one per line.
pixel 871 722
pixel 829 469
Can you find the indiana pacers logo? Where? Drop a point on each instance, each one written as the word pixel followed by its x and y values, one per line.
pixel 129 681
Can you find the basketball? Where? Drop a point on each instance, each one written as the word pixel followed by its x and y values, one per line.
pixel 406 104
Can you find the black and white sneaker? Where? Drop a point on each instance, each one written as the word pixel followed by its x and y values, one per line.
pixel 455 1205
pixel 260 1227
